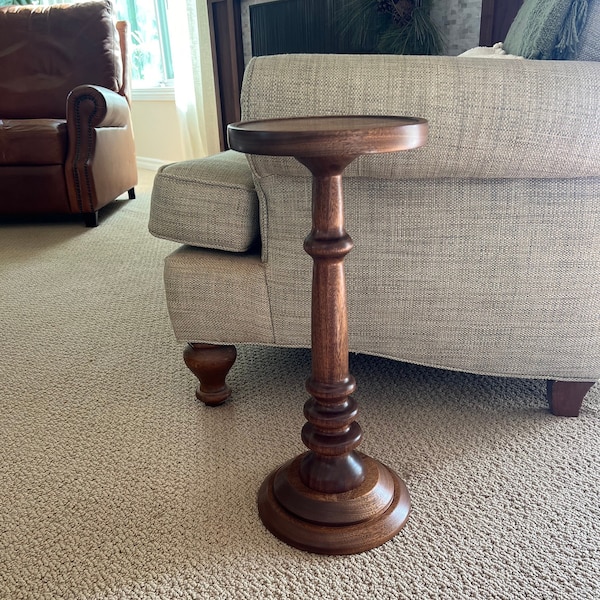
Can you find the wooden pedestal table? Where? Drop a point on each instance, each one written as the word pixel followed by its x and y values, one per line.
pixel 331 499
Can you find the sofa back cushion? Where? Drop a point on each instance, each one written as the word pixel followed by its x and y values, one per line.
pixel 487 118
pixel 46 51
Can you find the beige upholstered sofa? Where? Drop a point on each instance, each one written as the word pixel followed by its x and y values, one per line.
pixel 479 252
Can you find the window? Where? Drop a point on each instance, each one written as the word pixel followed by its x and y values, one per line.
pixel 151 63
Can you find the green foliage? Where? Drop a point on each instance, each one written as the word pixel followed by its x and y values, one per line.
pixel 17 2
pixel 141 55
pixel 392 26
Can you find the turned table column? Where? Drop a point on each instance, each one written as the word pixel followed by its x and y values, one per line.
pixel 331 499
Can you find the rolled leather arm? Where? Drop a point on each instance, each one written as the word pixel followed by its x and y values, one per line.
pixel 100 147
pixel 96 106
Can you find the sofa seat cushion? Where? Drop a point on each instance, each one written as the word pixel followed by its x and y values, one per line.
pixel 209 203
pixel 33 141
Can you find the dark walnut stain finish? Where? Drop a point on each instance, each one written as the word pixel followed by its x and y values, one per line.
pixel 566 397
pixel 331 499
pixel 210 364
pixel 342 138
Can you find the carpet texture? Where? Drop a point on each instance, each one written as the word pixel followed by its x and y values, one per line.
pixel 115 483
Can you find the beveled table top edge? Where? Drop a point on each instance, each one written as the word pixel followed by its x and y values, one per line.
pixel 328 135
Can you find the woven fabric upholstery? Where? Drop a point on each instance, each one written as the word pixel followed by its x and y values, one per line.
pixel 210 203
pixel 217 297
pixel 478 252
pixel 512 118
pixel 589 44
pixel 492 276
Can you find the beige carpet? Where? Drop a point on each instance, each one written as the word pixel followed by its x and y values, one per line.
pixel 116 483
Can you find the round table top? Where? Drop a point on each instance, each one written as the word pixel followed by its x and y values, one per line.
pixel 327 136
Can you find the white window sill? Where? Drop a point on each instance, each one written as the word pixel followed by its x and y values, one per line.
pixel 162 94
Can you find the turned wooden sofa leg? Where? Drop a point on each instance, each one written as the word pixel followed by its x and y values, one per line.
pixel 210 364
pixel 566 397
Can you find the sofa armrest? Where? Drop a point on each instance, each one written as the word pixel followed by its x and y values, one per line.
pixel 95 106
pixel 100 162
pixel 209 203
pixel 488 118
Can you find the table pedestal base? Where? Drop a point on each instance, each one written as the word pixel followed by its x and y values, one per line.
pixel 344 523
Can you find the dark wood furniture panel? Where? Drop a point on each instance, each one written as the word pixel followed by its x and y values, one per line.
pixel 228 61
pixel 496 19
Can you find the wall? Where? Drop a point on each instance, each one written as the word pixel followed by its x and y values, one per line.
pixel 156 130
pixel 459 21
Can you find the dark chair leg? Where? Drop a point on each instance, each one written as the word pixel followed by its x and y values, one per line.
pixel 91 219
pixel 210 364
pixel 131 193
pixel 566 397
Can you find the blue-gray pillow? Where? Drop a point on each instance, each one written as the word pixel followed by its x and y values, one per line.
pixel 547 29
pixel 589 44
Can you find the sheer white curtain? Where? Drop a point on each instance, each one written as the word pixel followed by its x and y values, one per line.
pixel 193 77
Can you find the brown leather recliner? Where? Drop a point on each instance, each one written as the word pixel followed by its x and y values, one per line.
pixel 66 140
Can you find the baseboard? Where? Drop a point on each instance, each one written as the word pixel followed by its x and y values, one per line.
pixel 150 164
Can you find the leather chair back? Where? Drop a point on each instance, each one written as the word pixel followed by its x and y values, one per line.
pixel 46 51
